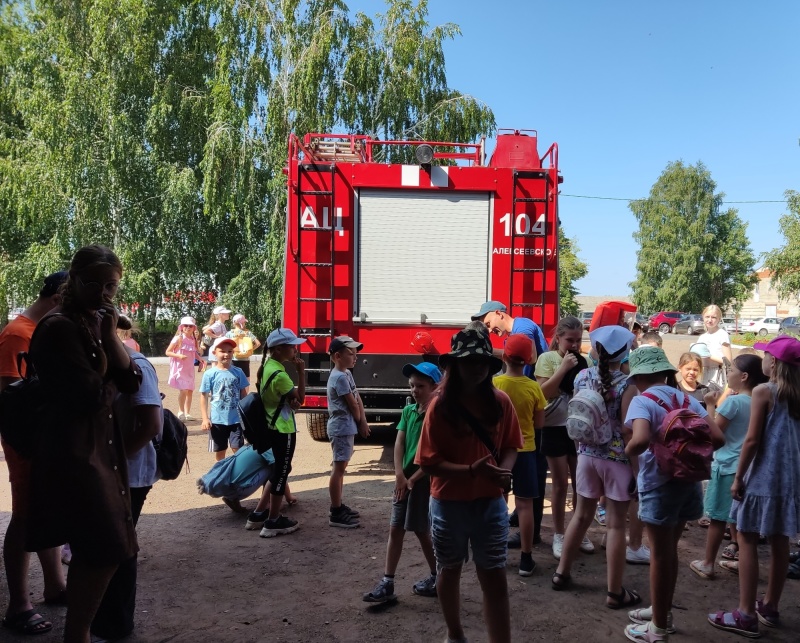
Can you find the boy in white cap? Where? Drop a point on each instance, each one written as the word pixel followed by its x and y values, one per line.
pixel 345 419
pixel 223 386
pixel 281 399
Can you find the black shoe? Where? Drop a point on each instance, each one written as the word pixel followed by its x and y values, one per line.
pixel 513 519
pixel 278 527
pixel 526 565
pixel 514 541
pixel 383 593
pixel 343 520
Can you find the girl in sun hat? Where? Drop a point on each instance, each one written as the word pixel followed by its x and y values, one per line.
pixel 665 503
pixel 604 470
pixel 468 445
pixel 182 352
pixel 215 327
pixel 766 487
pixel 246 343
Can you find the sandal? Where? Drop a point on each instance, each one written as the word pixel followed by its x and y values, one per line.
pixel 731 566
pixel 703 571
pixel 735 622
pixel 561 582
pixel 28 622
pixel 626 598
pixel 704 522
pixel 731 552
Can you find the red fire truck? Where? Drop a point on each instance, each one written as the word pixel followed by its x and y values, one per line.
pixel 399 255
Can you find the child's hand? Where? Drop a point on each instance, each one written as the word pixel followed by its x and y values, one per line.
pixel 206 425
pixel 484 468
pixel 569 362
pixel 295 404
pixel 363 430
pixel 711 397
pixel 737 489
pixel 299 364
pixel 400 488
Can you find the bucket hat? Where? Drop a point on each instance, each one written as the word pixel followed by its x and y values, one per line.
pixel 616 341
pixel 648 360
pixel 467 343
pixel 784 347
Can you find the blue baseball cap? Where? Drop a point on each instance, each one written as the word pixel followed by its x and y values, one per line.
pixel 283 336
pixel 425 368
pixel 489 307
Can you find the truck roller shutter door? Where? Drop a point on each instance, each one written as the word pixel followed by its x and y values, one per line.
pixel 422 253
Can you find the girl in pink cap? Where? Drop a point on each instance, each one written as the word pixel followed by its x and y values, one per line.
pixel 182 352
pixel 766 488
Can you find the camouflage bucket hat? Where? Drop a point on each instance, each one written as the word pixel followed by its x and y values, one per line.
pixel 468 343
pixel 648 360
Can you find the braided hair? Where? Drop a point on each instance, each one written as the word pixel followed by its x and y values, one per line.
pixel 604 372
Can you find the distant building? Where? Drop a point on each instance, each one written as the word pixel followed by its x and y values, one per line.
pixel 588 303
pixel 765 302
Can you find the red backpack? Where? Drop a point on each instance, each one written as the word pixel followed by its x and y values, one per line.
pixel 682 444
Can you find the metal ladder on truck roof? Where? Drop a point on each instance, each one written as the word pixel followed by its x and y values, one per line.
pixel 531 230
pixel 322 267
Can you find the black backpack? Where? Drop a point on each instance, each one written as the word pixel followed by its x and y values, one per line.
pixel 171 450
pixel 257 428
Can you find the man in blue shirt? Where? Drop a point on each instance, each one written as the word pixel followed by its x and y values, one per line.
pixel 494 314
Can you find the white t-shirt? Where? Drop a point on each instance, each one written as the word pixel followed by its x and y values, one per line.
pixel 712 371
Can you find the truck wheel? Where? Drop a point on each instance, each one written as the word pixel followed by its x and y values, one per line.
pixel 318 426
pixel 664 329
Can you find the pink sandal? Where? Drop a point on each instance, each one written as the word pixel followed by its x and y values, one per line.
pixel 735 622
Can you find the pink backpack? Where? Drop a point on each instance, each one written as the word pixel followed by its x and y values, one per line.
pixel 682 444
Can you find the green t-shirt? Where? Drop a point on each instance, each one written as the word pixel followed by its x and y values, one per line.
pixel 411 423
pixel 280 385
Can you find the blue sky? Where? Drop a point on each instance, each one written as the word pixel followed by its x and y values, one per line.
pixel 626 87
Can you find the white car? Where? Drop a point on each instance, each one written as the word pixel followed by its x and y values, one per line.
pixel 763 326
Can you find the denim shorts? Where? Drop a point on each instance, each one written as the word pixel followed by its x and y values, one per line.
pixel 671 503
pixel 342 447
pixel 718 498
pixel 411 513
pixel 481 523
pixel 524 475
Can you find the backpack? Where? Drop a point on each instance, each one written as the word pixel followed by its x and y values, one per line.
pixel 172 448
pixel 682 444
pixel 588 421
pixel 244 345
pixel 258 429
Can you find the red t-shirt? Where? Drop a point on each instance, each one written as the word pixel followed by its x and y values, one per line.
pixel 15 338
pixel 439 442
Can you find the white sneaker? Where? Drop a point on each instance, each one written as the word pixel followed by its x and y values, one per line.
pixel 639 556
pixel 587 547
pixel 558 545
pixel 189 418
pixel 181 415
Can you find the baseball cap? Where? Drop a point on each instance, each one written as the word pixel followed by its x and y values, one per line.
pixel 222 341
pixel 425 368
pixel 784 347
pixel 282 337
pixel 188 321
pixel 519 347
pixel 220 309
pixel 338 343
pixel 488 307
pixel 52 283
pixel 239 319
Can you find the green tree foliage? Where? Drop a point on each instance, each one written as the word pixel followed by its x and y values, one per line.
pixel 571 269
pixel 784 262
pixel 160 127
pixel 691 253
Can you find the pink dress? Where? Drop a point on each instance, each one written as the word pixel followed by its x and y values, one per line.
pixel 181 371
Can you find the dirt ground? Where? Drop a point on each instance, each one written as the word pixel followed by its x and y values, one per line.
pixel 203 577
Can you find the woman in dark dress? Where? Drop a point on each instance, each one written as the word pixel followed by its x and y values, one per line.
pixel 79 486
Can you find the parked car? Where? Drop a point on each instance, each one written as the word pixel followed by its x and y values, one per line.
pixel 731 324
pixel 690 324
pixel 640 319
pixel 664 321
pixel 763 326
pixel 790 325
pixel 586 319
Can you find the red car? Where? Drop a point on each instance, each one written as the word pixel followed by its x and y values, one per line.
pixel 664 321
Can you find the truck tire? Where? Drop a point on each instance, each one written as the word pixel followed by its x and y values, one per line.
pixel 318 426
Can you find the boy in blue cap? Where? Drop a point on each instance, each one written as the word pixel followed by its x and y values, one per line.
pixel 412 487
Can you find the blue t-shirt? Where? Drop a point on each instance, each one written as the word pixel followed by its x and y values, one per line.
pixel 529 328
pixel 735 409
pixel 641 408
pixel 225 387
pixel 142 466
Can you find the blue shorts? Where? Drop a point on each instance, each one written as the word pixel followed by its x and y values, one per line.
pixel 220 434
pixel 718 498
pixel 671 503
pixel 482 523
pixel 342 447
pixel 524 475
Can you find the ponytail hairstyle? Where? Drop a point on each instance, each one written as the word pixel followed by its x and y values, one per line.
pixel 264 358
pixel 787 379
pixel 564 325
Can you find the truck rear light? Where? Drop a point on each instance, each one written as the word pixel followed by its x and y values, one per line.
pixel 316 402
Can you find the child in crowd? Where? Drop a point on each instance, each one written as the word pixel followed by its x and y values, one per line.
pixel 528 400
pixel 281 399
pixel 412 490
pixel 126 335
pixel 552 372
pixel 690 368
pixel 651 338
pixel 216 327
pixel 469 444
pixel 246 343
pixel 221 388
pixel 733 418
pixel 345 418
pixel 766 487
pixel 604 470
pixel 665 504
pixel 182 351
pixel 719 346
